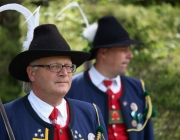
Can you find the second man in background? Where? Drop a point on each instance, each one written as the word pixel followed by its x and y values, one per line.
pixel 121 98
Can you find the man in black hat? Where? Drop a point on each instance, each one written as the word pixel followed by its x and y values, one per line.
pixel 122 99
pixel 44 113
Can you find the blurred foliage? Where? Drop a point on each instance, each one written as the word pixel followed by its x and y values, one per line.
pixel 10 88
pixel 9 47
pixel 155 22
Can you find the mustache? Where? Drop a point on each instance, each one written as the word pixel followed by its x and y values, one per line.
pixel 62 80
pixel 126 62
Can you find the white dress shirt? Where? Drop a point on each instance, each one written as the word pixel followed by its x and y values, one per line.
pixel 97 79
pixel 44 110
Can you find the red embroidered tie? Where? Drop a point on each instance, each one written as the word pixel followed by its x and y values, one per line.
pixel 107 83
pixel 53 117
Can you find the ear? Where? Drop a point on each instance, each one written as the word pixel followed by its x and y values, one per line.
pixel 102 52
pixel 31 73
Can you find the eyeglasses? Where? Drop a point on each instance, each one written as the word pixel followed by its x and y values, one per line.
pixel 70 68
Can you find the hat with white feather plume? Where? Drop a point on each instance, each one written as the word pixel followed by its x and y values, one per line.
pixel 43 41
pixel 107 33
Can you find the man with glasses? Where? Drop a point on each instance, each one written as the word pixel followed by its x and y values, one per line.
pixel 44 113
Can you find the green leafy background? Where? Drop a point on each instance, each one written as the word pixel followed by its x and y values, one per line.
pixel 156 23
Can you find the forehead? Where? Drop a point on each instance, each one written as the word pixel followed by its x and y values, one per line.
pixel 55 59
pixel 115 50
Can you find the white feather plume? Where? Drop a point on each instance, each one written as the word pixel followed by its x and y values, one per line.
pixel 32 21
pixel 30 32
pixel 76 5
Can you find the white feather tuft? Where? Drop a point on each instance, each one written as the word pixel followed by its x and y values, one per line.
pixel 89 32
pixel 30 31
pixel 32 21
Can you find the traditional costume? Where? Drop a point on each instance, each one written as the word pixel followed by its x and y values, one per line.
pixel 83 121
pixel 122 109
pixel 27 125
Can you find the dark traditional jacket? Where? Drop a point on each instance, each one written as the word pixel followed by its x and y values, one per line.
pixel 27 125
pixel 83 89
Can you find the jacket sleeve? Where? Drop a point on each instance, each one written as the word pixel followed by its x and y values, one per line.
pixel 149 133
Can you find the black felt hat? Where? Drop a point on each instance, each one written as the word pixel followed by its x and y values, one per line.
pixel 46 42
pixel 110 33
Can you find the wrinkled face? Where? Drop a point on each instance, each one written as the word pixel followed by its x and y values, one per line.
pixel 46 83
pixel 117 59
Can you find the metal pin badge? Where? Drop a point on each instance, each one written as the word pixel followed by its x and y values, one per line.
pixel 91 136
pixel 134 123
pixel 124 103
pixel 139 125
pixel 134 106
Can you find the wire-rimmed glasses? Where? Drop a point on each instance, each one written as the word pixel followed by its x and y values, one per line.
pixel 70 68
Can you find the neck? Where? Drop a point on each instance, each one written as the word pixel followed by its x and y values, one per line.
pixel 51 100
pixel 104 71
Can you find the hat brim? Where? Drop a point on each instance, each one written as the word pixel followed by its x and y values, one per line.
pixel 117 44
pixel 18 65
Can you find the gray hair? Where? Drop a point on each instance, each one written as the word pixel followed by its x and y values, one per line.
pixel 27 87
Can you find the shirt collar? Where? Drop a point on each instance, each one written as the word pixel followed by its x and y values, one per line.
pixel 97 78
pixel 44 108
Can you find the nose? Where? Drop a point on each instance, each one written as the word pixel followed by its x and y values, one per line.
pixel 63 71
pixel 130 54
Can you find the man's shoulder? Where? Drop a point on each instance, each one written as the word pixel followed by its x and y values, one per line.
pixel 130 79
pixel 11 107
pixel 13 103
pixel 78 102
pixel 82 105
pixel 131 82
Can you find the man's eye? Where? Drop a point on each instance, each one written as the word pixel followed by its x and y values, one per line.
pixel 55 67
pixel 68 67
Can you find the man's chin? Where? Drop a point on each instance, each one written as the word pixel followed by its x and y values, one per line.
pixel 122 72
pixel 62 89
